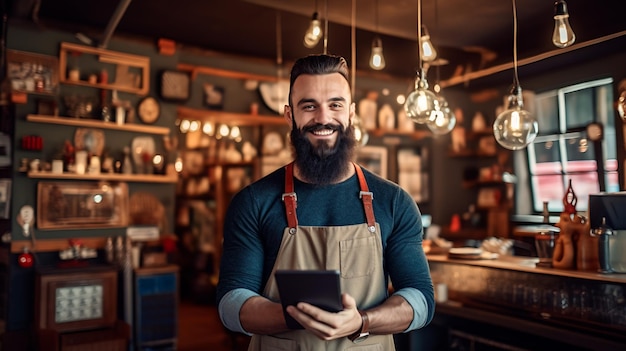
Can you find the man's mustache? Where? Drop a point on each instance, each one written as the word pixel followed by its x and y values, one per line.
pixel 319 126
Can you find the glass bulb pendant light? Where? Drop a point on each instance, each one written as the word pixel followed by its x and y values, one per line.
pixel 360 132
pixel 428 51
pixel 442 119
pixel 563 35
pixel 621 105
pixel 515 127
pixel 377 60
pixel 421 101
pixel 313 33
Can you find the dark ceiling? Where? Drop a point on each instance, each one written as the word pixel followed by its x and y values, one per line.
pixel 470 34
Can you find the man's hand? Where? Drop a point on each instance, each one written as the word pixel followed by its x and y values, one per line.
pixel 328 325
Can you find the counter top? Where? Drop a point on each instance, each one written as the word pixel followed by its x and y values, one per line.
pixel 527 264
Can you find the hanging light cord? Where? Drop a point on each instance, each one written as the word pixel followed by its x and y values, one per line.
pixel 516 78
pixel 279 44
pixel 419 35
pixel 325 27
pixel 353 49
pixel 436 29
pixel 376 15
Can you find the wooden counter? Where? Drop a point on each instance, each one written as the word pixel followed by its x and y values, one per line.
pixel 572 308
pixel 527 264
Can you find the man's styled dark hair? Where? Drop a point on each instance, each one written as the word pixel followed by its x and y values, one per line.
pixel 318 64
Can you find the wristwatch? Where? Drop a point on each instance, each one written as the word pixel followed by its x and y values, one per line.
pixel 363 333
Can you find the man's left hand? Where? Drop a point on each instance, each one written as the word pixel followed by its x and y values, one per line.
pixel 328 325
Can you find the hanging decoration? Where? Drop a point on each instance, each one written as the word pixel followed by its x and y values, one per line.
pixel 420 102
pixel 360 132
pixel 515 127
pixel 563 35
pixel 377 59
pixel 313 34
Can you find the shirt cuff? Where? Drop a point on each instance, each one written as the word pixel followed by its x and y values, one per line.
pixel 416 299
pixel 230 306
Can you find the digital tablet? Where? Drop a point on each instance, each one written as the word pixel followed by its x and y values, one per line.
pixel 317 287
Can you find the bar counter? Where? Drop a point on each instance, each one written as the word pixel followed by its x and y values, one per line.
pixel 527 264
pixel 509 304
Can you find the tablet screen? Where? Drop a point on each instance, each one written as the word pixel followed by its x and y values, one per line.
pixel 317 287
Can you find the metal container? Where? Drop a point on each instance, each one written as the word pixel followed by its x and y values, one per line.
pixel 608 223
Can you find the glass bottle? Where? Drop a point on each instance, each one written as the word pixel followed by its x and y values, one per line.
pixel 127 165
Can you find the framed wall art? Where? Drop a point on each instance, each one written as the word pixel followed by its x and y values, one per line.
pixel 412 176
pixel 213 96
pixel 5 198
pixel 32 73
pixel 374 159
pixel 80 205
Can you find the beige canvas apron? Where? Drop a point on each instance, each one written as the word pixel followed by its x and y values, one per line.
pixel 355 250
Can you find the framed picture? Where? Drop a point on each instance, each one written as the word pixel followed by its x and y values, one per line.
pixel 32 73
pixel 412 176
pixel 80 205
pixel 374 159
pixel 5 198
pixel 213 96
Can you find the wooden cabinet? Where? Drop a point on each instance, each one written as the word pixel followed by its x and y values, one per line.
pixel 491 187
pixel 76 309
pixel 132 72
pixel 206 185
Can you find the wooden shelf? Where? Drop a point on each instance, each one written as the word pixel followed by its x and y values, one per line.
pixel 107 57
pixel 470 153
pixel 91 123
pixel 217 72
pixel 418 134
pixel 143 178
pixel 238 119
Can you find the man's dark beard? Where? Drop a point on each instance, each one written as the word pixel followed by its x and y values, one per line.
pixel 320 163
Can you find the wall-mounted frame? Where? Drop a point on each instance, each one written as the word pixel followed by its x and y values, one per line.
pixel 32 73
pixel 175 86
pixel 213 96
pixel 5 198
pixel 412 176
pixel 80 205
pixel 373 158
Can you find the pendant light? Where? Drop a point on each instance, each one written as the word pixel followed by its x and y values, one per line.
pixel 442 119
pixel 515 127
pixel 563 35
pixel 621 105
pixel 377 59
pixel 360 133
pixel 420 102
pixel 314 32
pixel 427 50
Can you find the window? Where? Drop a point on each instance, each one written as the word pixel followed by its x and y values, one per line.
pixel 562 152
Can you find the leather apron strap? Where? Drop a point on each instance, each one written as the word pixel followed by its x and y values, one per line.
pixel 290 199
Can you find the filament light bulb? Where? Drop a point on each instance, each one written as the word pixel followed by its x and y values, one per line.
pixel 313 33
pixel 442 119
pixel 420 102
pixel 563 35
pixel 428 51
pixel 515 127
pixel 377 60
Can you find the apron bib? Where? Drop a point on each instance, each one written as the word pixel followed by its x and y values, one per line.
pixel 354 250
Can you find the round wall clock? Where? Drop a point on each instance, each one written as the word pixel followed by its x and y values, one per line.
pixel 148 110
pixel 594 131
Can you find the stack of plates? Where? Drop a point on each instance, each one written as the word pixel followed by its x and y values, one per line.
pixel 465 253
